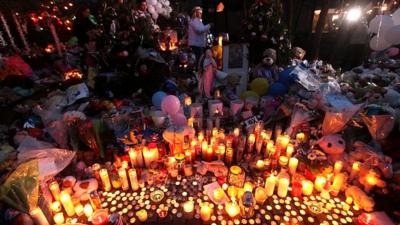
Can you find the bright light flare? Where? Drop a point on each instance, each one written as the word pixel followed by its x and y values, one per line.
pixel 354 14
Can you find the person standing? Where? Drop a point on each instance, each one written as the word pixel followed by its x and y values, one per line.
pixel 197 32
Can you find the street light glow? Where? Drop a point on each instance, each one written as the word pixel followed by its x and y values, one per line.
pixel 353 14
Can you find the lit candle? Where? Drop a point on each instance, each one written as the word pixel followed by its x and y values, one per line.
pixel 282 142
pixel 55 190
pixel 337 167
pixel 209 153
pixel 105 179
pixel 300 137
pixel 371 181
pixel 58 218
pixel 38 217
pixel 307 186
pixel 66 201
pixel 355 169
pixel 293 162
pixel 349 200
pixel 188 206
pixel 218 194
pixel 229 156
pixel 260 165
pixel 188 170
pixel 325 194
pixel 205 212
pixel 133 178
pixel 142 215
pixel 270 185
pixel 190 122
pixel 283 161
pixel 221 151
pixel 79 209
pixel 96 167
pixel 133 155
pixel 200 136
pixel 270 147
pixel 55 206
pixel 88 210
pixel 338 181
pixel 248 186
pixel 296 189
pixel 232 191
pixel 320 182
pixel 260 195
pixel 232 209
pixel 289 150
pixel 204 148
pixel 150 155
pixel 124 179
pixel 283 186
pixel 251 140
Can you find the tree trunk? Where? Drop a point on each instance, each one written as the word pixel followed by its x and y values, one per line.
pixel 318 31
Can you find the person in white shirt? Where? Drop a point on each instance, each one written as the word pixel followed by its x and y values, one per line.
pixel 197 32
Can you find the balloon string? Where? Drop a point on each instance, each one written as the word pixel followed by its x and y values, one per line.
pixel 380 25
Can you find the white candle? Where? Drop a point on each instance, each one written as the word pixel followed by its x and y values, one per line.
pixel 307 187
pixel 337 167
pixel 66 201
pixel 283 186
pixel 38 216
pixel 55 190
pixel 338 181
pixel 289 150
pixel 188 206
pixel 232 209
pixel 320 182
pixel 123 178
pixel 205 212
pixel 293 162
pixel 88 210
pixel 58 218
pixel 133 178
pixel 270 185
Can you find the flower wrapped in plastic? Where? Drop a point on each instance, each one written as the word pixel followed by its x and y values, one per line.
pixel 379 120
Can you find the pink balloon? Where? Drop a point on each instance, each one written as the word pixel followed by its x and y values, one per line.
pixel 170 105
pixel 179 119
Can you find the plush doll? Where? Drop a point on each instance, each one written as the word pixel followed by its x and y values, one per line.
pixel 267 68
pixel 298 56
pixel 229 93
pixel 333 145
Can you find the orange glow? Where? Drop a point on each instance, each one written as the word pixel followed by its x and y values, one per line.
pixel 220 7
pixel 73 74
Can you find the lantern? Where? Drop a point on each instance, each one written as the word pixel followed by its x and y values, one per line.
pixel 168 40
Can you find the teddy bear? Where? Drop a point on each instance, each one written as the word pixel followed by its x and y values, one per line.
pixel 333 145
pixel 297 56
pixel 267 68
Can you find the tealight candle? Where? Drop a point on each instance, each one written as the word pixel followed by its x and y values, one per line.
pixel 232 209
pixel 325 194
pixel 283 186
pixel 133 178
pixel 293 163
pixel 349 200
pixel 88 210
pixel 66 201
pixel 142 215
pixel 188 206
pixel 307 187
pixel 123 178
pixel 337 168
pixel 105 179
pixel 260 195
pixel 58 218
pixel 205 212
pixel 320 182
pixel 270 185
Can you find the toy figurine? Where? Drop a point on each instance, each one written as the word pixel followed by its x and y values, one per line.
pixel 206 72
pixel 267 68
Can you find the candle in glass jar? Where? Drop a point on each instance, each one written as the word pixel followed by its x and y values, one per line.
pixel 337 167
pixel 250 142
pixel 124 179
pixel 218 194
pixel 133 155
pixel 229 156
pixel 300 137
pixel 248 186
pixel 282 142
pixel 270 185
pixel 338 181
pixel 325 194
pixel 293 162
pixel 204 148
pixel 289 150
pixel 232 191
pixel 133 178
pixel 58 218
pixel 320 182
pixel 66 201
pixel 88 210
pixel 209 153
pixel 260 165
pixel 55 190
pixel 260 195
pixel 283 186
pixel 79 209
pixel 297 189
pixel 283 161
pixel 55 206
pixel 105 179
pixel 142 215
pixel 38 216
pixel 232 209
pixel 188 170
pixel 205 212
pixel 307 187
pixel 150 155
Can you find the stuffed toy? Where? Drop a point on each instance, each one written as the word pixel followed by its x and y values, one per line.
pixel 360 198
pixel 333 145
pixel 297 56
pixel 267 68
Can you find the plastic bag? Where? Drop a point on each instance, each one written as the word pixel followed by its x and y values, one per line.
pixel 21 189
pixel 306 78
pixel 58 131
pixel 300 115
pixel 335 121
pixel 51 160
pixel 379 126
pixel 30 143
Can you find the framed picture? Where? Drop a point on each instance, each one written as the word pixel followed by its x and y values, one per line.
pixel 235 61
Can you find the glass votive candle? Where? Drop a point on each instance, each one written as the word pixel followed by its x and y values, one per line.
pixel 296 189
pixel 188 170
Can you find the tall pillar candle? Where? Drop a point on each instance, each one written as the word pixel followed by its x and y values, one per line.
pixel 293 162
pixel 66 201
pixel 338 181
pixel 270 185
pixel 55 190
pixel 283 187
pixel 38 217
pixel 150 155
pixel 337 168
pixel 307 187
pixel 105 179
pixel 355 169
pixel 133 178
pixel 124 179
pixel 320 182
pixel 282 142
